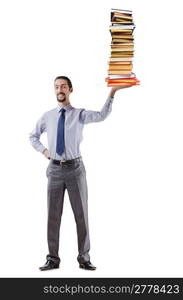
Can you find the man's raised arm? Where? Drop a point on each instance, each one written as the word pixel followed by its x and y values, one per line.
pixel 89 116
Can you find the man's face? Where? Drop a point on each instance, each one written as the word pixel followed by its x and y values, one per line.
pixel 62 90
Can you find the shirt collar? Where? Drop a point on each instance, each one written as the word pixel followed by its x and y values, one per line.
pixel 67 107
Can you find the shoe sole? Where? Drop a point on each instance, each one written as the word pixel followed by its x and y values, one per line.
pixel 87 269
pixel 49 269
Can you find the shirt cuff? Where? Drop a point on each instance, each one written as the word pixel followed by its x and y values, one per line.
pixel 41 148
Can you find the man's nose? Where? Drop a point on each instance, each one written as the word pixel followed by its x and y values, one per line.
pixel 60 89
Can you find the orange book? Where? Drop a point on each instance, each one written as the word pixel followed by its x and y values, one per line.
pixel 120 67
pixel 119 63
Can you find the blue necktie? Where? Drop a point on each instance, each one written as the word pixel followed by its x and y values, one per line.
pixel 60 133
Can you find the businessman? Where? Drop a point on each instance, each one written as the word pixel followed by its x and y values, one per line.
pixel 66 170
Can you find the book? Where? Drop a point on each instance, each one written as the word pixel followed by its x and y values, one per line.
pixel 110 72
pixel 127 12
pixel 123 49
pixel 132 75
pixel 120 59
pixel 122 27
pixel 122 45
pixel 120 66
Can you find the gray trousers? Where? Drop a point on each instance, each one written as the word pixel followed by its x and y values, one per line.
pixel 73 178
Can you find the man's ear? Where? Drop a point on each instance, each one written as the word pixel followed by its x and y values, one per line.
pixel 71 90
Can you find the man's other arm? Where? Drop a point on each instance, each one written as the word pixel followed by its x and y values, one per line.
pixel 34 137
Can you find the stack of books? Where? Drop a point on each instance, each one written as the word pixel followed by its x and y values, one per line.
pixel 122 49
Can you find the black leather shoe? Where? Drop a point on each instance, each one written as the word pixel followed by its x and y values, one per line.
pixel 87 266
pixel 49 265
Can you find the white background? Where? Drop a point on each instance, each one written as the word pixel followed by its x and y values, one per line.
pixel 133 159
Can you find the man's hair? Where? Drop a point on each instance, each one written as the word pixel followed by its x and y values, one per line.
pixel 65 78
